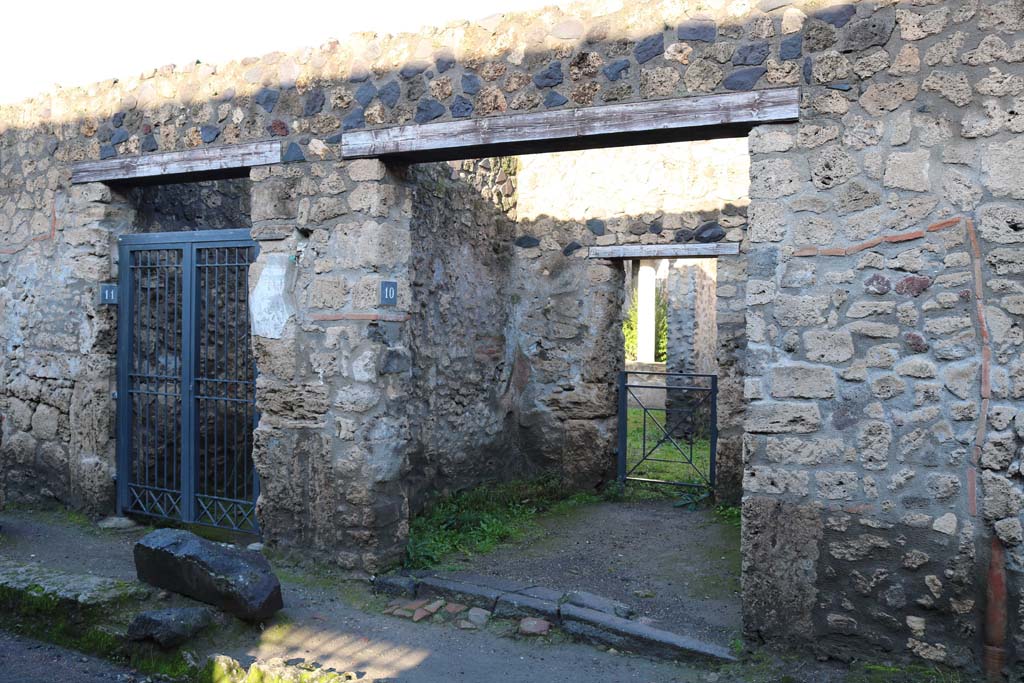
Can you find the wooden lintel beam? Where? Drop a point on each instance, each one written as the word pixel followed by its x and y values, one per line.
pixel 652 251
pixel 206 159
pixel 543 131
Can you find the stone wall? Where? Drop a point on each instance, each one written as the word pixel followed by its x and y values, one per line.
pixel 872 320
pixel 692 324
pixel 59 408
pixel 204 205
pixel 466 387
pixel 876 401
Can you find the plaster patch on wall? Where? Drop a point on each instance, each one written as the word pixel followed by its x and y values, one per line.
pixel 270 305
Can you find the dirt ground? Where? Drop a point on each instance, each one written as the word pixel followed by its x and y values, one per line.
pixel 26 661
pixel 679 569
pixel 339 624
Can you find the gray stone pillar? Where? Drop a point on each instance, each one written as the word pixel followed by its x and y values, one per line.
pixel 333 362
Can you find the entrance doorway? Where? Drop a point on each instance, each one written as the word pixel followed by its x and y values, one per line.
pixel 186 378
pixel 668 389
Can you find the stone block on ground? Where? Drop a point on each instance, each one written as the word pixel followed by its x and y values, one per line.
pixel 71 593
pixel 393 584
pixel 599 603
pixel 543 593
pixel 169 627
pixel 454 608
pixel 531 626
pixel 478 617
pixel 495 582
pixel 117 523
pixel 237 581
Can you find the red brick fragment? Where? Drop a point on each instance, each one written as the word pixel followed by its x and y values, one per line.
pixel 942 225
pixel 904 236
pixel 874 242
pixel 806 251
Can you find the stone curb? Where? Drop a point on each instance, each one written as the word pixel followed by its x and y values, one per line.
pixel 466 593
pixel 518 606
pixel 625 634
pixel 511 599
pixel 73 592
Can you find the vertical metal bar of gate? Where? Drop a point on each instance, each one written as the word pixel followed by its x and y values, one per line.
pixel 188 374
pixel 623 427
pixel 124 332
pixel 713 446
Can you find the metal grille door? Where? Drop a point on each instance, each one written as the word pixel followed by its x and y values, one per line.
pixel 186 378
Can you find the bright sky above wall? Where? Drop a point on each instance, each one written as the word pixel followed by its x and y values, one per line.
pixel 71 42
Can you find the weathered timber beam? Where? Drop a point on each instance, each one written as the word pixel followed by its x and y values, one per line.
pixel 608 125
pixel 206 159
pixel 651 251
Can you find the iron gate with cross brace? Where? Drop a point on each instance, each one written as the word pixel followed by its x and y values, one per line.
pixel 186 378
pixel 668 429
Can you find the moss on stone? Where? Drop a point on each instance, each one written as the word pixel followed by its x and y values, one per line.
pixel 223 669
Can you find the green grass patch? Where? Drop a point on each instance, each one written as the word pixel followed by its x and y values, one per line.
pixel 729 514
pixel 478 520
pixel 910 673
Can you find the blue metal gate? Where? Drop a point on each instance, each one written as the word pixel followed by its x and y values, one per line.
pixel 186 378
pixel 668 429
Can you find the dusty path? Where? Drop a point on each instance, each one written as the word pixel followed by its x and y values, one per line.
pixel 28 661
pixel 321 624
pixel 339 625
pixel 678 569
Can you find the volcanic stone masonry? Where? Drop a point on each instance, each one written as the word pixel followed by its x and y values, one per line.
pixel 882 278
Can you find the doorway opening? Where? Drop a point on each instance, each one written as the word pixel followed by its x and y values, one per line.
pixel 520 332
pixel 668 390
pixel 186 373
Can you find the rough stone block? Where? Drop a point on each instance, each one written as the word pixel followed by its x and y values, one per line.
pixel 459 591
pixel 826 346
pixel 782 417
pixel 599 603
pixel 392 584
pixel 908 170
pixel 236 581
pixel 169 628
pixel 803 381
pixel 776 481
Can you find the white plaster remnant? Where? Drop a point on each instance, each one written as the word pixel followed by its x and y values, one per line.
pixel 270 306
